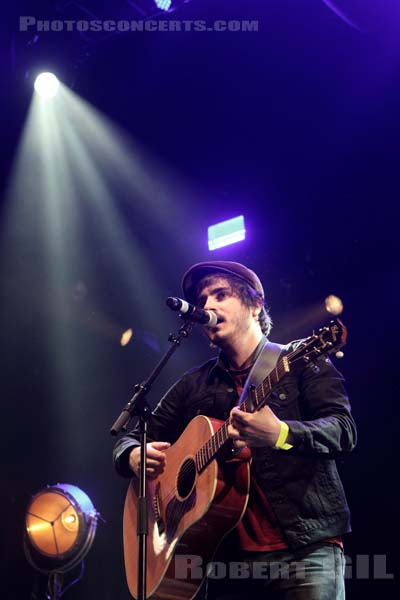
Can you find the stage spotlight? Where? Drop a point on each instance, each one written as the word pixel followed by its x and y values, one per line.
pixel 47 85
pixel 60 525
pixel 226 233
pixel 333 305
pixel 163 4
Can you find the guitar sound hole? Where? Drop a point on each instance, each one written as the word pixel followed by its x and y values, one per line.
pixel 186 478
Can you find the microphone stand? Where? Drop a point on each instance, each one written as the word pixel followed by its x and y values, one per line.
pixel 138 406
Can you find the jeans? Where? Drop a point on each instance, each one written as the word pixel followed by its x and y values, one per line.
pixel 315 572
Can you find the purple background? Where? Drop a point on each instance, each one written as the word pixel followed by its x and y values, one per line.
pixel 296 127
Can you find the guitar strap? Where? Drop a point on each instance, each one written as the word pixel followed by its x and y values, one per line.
pixel 267 356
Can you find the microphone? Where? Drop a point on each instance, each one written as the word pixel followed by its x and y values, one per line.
pixel 193 313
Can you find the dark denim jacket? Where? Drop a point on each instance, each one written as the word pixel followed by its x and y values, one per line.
pixel 302 484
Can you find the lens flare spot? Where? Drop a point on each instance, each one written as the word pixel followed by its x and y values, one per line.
pixel 126 337
pixel 333 305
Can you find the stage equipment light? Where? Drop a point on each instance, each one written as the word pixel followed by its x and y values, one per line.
pixel 47 85
pixel 226 233
pixel 163 4
pixel 60 525
pixel 333 305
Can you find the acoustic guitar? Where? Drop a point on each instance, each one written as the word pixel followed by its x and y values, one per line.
pixel 203 492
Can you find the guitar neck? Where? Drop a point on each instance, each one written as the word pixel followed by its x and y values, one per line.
pixel 254 398
pixel 328 339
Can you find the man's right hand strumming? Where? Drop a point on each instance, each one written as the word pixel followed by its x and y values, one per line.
pixel 155 460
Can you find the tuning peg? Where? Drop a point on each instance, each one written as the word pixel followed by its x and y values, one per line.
pixel 339 354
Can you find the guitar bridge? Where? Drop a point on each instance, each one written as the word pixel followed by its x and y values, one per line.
pixel 157 510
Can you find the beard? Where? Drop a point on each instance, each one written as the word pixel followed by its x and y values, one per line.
pixel 230 330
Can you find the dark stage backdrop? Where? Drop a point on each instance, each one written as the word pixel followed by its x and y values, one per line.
pixel 295 126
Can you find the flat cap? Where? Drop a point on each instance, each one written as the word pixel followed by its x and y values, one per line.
pixel 199 270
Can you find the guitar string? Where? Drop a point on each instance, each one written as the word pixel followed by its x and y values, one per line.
pixel 207 448
pixel 292 357
pixel 206 453
pixel 280 370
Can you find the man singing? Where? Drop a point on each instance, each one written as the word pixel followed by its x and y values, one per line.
pixel 297 511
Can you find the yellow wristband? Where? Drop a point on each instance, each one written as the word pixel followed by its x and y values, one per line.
pixel 283 434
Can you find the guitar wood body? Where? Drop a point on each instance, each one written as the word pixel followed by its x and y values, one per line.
pixel 189 513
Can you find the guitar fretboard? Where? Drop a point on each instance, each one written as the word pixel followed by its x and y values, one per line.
pixel 253 398
pixel 328 339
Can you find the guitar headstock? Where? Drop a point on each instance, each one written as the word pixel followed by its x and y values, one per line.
pixel 329 338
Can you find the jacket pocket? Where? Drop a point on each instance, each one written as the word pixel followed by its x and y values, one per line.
pixel 284 400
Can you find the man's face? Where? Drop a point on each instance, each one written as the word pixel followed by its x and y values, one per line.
pixel 236 318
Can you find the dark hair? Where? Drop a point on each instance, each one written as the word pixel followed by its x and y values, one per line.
pixel 247 294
